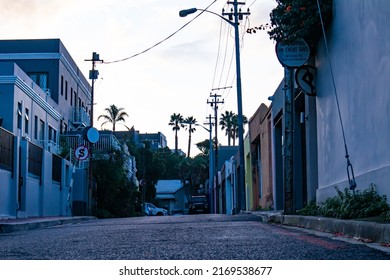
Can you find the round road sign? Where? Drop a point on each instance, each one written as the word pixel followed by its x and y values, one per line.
pixel 81 152
pixel 293 54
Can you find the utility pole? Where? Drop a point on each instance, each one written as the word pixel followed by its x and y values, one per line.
pixel 236 14
pixel 288 140
pixel 211 164
pixel 93 75
pixel 214 103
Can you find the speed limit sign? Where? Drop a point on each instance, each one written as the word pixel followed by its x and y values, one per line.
pixel 81 152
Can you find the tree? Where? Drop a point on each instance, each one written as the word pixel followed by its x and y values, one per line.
pixel 114 115
pixel 293 19
pixel 116 194
pixel 226 123
pixel 195 171
pixel 229 122
pixel 177 122
pixel 204 146
pixel 190 122
pixel 235 126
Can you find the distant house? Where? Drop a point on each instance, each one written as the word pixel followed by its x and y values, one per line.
pixel 171 195
pixel 218 200
pixel 155 140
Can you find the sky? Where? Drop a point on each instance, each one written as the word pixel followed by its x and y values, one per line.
pixel 148 72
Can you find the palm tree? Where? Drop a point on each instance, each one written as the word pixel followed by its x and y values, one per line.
pixel 226 123
pixel 114 115
pixel 177 122
pixel 191 122
pixel 235 127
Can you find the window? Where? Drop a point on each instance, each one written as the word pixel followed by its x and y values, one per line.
pixel 52 134
pixel 62 85
pixel 36 127
pixel 71 96
pixel 40 78
pixel 66 90
pixel 41 130
pixel 19 112
pixel 26 121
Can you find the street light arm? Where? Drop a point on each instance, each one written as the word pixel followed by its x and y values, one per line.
pixel 184 13
pixel 203 127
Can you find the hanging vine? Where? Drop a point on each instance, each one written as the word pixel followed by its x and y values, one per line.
pixel 292 19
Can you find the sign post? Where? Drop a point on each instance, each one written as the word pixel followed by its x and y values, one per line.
pixel 291 55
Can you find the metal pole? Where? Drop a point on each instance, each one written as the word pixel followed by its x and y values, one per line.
pixel 288 140
pixel 241 170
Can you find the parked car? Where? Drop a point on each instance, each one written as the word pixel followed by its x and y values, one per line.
pixel 152 210
pixel 198 204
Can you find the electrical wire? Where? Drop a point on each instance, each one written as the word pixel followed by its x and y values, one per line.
pixel 162 41
pixel 219 48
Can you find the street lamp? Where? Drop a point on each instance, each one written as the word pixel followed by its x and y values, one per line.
pixel 236 15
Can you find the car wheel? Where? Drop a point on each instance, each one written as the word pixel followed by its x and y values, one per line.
pixel 159 214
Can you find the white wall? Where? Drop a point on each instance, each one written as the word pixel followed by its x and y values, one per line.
pixel 359 48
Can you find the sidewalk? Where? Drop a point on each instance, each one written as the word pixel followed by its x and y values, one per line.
pixel 362 231
pixel 11 225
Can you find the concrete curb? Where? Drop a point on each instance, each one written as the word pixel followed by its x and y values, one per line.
pixel 35 223
pixel 367 231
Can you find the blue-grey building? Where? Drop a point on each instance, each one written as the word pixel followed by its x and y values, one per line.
pixel 43 95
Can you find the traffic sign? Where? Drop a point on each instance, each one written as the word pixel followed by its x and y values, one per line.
pixel 293 54
pixel 305 79
pixel 81 153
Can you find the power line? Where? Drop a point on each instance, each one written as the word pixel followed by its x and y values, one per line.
pixel 162 41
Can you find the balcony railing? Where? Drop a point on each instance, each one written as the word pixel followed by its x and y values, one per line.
pixel 80 116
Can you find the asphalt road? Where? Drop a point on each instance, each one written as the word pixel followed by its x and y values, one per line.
pixel 195 237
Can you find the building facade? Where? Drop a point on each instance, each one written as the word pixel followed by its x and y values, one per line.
pixel 43 95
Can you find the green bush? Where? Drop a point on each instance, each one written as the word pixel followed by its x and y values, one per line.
pixel 351 205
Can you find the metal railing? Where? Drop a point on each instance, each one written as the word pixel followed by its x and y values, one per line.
pixel 80 116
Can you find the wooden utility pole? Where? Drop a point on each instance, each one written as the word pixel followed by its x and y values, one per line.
pixel 93 75
pixel 214 103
